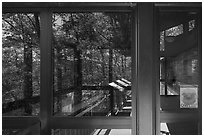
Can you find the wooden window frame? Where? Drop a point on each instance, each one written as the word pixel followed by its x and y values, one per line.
pixel 145 67
pixel 46 118
pixel 181 116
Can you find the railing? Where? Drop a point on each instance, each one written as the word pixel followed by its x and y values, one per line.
pixel 80 110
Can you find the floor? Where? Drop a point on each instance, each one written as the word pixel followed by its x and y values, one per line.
pixel 123 131
pixel 112 132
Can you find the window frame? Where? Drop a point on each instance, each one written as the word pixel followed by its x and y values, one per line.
pixel 182 116
pixel 143 121
pixel 46 117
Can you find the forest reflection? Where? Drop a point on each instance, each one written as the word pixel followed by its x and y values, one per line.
pixel 90 50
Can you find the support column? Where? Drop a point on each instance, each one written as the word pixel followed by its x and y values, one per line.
pixel 145 77
pixel 78 78
pixel 111 80
pixel 46 71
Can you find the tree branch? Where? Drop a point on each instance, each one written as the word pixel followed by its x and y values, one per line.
pixel 31 21
pixel 37 22
pixel 11 25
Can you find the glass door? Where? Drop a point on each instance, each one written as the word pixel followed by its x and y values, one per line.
pixel 180 71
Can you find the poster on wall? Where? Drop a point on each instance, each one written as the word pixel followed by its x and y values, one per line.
pixel 188 96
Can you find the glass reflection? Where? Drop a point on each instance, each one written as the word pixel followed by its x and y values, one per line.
pixel 20 64
pixel 178 72
pixel 91 50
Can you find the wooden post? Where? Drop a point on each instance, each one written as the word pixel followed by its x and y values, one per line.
pixel 46 71
pixel 134 57
pixel 145 70
pixel 78 78
pixel 28 88
pixel 59 79
pixel 156 62
pixel 110 80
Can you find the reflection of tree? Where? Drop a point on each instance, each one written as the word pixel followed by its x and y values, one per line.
pixel 82 42
pixel 21 35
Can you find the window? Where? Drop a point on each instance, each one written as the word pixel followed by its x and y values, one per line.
pixel 20 64
pixel 179 90
pixel 91 50
pixel 89 68
pixel 174 31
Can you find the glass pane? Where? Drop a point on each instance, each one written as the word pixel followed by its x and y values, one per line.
pixel 20 64
pixel 91 131
pixel 95 67
pixel 91 103
pixel 92 50
pixel 179 72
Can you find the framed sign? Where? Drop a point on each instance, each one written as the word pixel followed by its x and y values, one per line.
pixel 188 96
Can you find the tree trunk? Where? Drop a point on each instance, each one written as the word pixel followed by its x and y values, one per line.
pixel 37 24
pixel 111 80
pixel 78 78
pixel 103 67
pixel 59 80
pixel 28 90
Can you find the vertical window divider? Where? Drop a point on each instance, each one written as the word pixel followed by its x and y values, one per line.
pixel 46 80
pixel 157 61
pixel 134 53
pixel 145 74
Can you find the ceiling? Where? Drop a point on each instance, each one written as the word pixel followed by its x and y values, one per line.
pixel 182 42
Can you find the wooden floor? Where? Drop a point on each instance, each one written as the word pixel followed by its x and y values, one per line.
pixel 112 132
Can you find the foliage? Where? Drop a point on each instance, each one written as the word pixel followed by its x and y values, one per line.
pixel 81 45
pixel 19 34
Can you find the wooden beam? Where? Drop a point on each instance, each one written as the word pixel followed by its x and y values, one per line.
pixel 134 70
pixel 178 4
pixel 145 69
pixel 67 6
pixel 46 73
pixel 90 108
pixel 156 70
pixel 19 122
pixel 110 76
pixel 91 122
pixel 7 107
pixel 31 130
pixel 176 117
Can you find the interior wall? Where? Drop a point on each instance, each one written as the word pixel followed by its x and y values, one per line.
pixel 184 67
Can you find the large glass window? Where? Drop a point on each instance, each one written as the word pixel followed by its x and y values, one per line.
pixel 83 85
pixel 91 50
pixel 20 64
pixel 179 72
